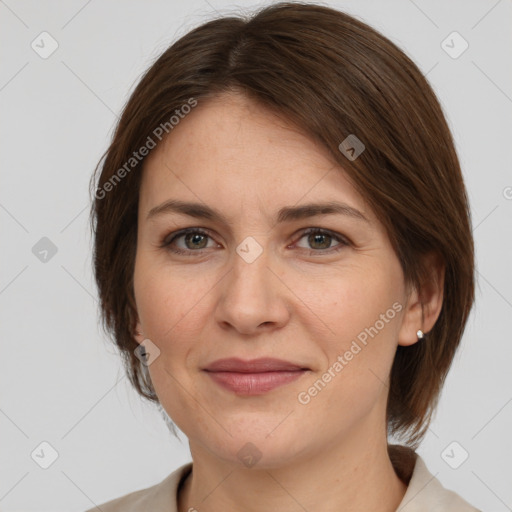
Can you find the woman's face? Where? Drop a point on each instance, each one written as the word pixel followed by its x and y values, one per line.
pixel 264 277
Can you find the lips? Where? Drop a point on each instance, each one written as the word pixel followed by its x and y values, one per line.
pixel 264 364
pixel 253 377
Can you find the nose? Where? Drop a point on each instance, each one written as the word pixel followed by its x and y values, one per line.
pixel 252 298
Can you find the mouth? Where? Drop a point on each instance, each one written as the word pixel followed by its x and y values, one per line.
pixel 254 377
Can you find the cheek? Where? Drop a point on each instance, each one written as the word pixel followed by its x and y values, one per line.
pixel 170 311
pixel 168 301
pixel 362 312
pixel 364 316
pixel 353 301
pixel 171 314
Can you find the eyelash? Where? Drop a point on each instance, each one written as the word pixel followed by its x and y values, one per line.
pixel 166 244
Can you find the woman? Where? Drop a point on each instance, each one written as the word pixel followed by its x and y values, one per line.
pixel 284 257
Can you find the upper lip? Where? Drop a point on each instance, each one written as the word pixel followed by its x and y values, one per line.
pixel 264 364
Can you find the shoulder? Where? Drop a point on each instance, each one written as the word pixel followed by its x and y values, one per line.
pixel 426 493
pixel 161 497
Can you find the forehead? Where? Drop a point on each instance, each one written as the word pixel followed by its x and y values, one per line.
pixel 232 150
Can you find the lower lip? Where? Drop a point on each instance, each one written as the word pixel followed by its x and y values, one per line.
pixel 254 383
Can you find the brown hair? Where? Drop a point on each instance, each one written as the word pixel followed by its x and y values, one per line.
pixel 332 75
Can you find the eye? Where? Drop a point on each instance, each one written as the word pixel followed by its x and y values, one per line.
pixel 195 240
pixel 320 240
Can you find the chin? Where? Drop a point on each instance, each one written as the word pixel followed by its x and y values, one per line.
pixel 260 445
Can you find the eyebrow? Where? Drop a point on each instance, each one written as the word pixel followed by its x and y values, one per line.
pixel 285 214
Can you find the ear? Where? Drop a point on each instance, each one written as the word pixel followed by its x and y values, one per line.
pixel 424 304
pixel 139 332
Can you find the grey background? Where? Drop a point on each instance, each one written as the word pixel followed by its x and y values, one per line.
pixel 61 380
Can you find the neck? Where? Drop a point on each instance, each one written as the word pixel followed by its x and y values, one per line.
pixel 354 475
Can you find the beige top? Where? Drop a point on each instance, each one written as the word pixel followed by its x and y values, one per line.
pixel 424 492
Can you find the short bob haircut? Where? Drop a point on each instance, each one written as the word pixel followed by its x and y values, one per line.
pixel 332 75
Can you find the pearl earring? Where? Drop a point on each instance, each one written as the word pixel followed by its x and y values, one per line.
pixel 420 334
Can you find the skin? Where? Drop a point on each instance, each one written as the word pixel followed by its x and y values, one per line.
pixel 300 300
